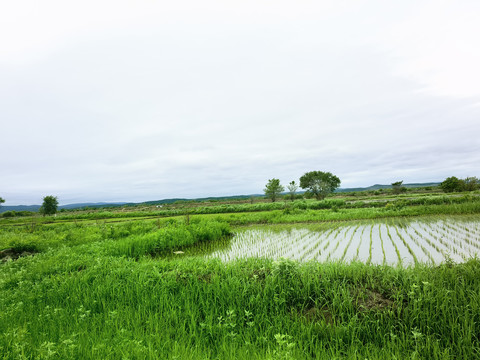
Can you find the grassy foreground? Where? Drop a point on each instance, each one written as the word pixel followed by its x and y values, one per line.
pixel 104 297
pixel 68 306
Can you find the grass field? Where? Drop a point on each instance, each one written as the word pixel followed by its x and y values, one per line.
pixel 390 282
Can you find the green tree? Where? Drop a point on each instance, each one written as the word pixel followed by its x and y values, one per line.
pixel 469 184
pixel 292 188
pixel 319 183
pixel 2 200
pixel 273 189
pixel 451 184
pixel 398 188
pixel 49 206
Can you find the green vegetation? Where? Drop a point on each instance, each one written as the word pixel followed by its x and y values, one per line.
pixel 346 208
pixel 319 184
pixel 49 206
pixel 453 184
pixel 398 188
pixel 76 302
pixel 292 188
pixel 470 184
pixel 273 189
pixel 138 283
pixel 12 213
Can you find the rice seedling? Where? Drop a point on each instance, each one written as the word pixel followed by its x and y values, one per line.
pixel 369 260
pixel 399 257
pixel 349 243
pixel 384 260
pixel 359 244
pixel 406 245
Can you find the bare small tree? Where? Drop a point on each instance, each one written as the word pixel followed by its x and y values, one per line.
pixel 292 188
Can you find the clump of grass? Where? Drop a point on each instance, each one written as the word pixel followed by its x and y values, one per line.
pixel 172 237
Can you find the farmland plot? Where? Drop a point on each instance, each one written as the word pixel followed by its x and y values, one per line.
pixel 392 243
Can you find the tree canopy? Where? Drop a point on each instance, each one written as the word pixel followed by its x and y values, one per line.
pixel 398 187
pixel 319 183
pixel 451 184
pixel 470 184
pixel 49 206
pixel 273 189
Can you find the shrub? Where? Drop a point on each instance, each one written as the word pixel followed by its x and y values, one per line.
pixel 451 184
pixel 8 214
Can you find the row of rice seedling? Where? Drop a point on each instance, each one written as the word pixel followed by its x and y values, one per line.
pixel 470 232
pixel 352 251
pixel 447 248
pixel 314 247
pixel 390 243
pixel 337 246
pixel 423 254
pixel 462 241
pixel 378 243
pixel 404 242
pixel 391 253
pixel 349 243
pixel 396 247
pixel 357 253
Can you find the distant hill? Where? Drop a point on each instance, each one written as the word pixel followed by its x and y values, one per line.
pixel 35 208
pixel 93 205
pixel 378 186
pixel 171 201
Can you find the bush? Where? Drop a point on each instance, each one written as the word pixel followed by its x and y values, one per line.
pixel 8 214
pixel 12 213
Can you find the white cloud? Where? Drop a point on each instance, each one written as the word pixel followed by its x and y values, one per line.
pixel 437 46
pixel 119 102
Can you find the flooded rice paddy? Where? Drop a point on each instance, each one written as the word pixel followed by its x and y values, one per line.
pixel 391 243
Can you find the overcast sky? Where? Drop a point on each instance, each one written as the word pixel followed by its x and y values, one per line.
pixel 145 100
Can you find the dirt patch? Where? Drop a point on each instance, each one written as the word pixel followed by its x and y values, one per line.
pixel 14 254
pixel 315 314
pixel 370 299
pixel 205 277
pixel 260 274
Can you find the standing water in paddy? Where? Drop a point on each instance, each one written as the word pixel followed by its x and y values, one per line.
pixel 392 243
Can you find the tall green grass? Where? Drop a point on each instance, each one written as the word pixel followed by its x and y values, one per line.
pixel 129 239
pixel 70 304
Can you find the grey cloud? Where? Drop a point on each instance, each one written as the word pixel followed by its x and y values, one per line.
pixel 208 110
